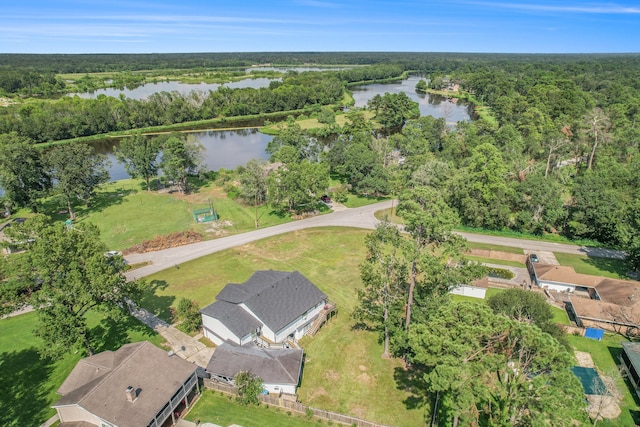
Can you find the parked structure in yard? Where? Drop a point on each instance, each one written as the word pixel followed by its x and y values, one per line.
pixel 272 308
pixel 137 385
pixel 630 360
pixel 279 369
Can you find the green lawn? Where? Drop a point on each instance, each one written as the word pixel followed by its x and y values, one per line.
pixel 605 355
pixel 127 214
pixel 498 248
pixel 606 267
pixel 224 411
pixel 494 261
pixel 28 383
pixel 344 371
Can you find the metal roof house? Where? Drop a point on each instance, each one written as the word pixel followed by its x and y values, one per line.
pixel 271 307
pixel 137 385
pixel 279 369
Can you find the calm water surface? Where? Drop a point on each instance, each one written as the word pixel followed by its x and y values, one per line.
pixel 430 105
pixel 149 89
pixel 226 149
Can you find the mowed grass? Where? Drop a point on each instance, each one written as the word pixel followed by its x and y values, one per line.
pixel 344 371
pixel 486 260
pixel 606 355
pixel 127 214
pixel 606 267
pixel 28 383
pixel 224 411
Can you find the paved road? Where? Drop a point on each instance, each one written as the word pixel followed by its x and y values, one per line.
pixel 362 217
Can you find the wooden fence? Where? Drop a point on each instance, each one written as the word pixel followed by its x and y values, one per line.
pixel 291 404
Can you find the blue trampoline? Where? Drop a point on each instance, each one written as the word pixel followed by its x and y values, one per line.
pixel 594 333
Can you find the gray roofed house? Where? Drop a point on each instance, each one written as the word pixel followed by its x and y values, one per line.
pixel 283 305
pixel 279 369
pixel 124 388
pixel 630 359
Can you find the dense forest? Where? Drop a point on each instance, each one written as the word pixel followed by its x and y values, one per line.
pixel 557 153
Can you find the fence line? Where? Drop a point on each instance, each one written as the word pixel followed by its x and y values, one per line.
pixel 289 403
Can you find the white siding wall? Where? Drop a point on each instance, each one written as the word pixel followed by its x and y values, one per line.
pixel 557 286
pixel 280 388
pixel 221 331
pixel 296 326
pixel 77 413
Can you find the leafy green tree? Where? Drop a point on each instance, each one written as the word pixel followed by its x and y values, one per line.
pixel 23 175
pixel 72 276
pixel 76 171
pixel 188 314
pixel 327 116
pixel 394 109
pixel 383 276
pixel 529 307
pixel 254 185
pixel 181 158
pixel 434 251
pixel 297 186
pixel 478 368
pixel 482 192
pixel 421 86
pixel 249 387
pixel 139 155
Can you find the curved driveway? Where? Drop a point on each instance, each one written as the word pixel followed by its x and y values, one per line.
pixel 362 217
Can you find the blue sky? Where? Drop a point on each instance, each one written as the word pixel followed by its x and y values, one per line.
pixel 120 26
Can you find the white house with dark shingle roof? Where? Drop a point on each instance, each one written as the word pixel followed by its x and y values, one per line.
pixel 279 369
pixel 274 305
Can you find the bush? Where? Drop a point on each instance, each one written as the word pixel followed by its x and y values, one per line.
pixel 188 314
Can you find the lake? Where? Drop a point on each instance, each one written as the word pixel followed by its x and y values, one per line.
pixel 231 148
pixel 223 149
pixel 149 89
pixel 437 106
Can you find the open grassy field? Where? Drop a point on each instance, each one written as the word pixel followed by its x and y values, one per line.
pixel 344 371
pixel 605 355
pixel 126 213
pixel 28 383
pixel 606 267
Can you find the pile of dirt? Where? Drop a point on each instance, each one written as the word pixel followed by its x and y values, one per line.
pixel 164 242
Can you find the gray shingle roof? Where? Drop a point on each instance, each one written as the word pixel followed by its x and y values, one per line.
pixel 274 366
pixel 276 297
pixel 98 383
pixel 234 317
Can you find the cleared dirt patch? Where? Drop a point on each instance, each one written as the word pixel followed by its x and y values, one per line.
pixel 165 242
pixel 584 359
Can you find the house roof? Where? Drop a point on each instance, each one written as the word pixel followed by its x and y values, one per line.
pixel 234 317
pixel 621 292
pixel 274 366
pixel 276 297
pixel 98 383
pixel 605 311
pixel 632 349
pixel 564 274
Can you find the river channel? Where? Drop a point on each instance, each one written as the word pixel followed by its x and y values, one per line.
pixel 231 148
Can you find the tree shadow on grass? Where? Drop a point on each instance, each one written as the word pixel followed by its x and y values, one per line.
pixel 159 305
pixel 618 267
pixel 111 334
pixel 409 380
pixel 56 207
pixel 24 389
